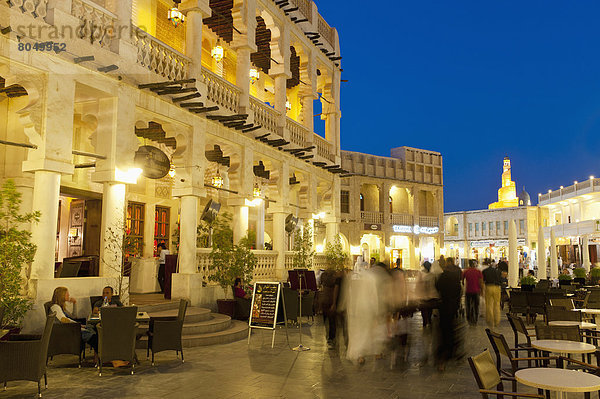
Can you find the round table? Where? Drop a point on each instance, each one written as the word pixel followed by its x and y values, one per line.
pixel 594 312
pixel 563 347
pixel 565 323
pixel 558 380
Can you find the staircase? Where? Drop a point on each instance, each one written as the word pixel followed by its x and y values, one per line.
pixel 201 327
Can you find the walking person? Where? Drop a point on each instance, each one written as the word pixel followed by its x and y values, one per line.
pixel 473 281
pixel 493 281
pixel 428 294
pixel 161 265
pixel 330 282
pixel 448 285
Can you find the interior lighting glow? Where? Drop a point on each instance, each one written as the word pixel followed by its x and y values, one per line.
pixel 256 191
pixel 254 75
pixel 217 181
pixel 172 171
pixel 175 16
pixel 217 52
pixel 288 105
pixel 130 176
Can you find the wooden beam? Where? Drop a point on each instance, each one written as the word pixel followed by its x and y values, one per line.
pixel 185 98
pixel 170 83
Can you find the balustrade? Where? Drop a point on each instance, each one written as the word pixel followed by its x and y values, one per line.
pixel 266 261
pixel 371 217
pixel 264 115
pixel 324 148
pixel 305 8
pixel 160 57
pixel 97 24
pixel 326 31
pixel 298 134
pixel 220 91
pixel 428 221
pixel 33 8
pixel 404 219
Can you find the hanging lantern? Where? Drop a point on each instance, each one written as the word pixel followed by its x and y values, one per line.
pixel 254 75
pixel 217 52
pixel 256 190
pixel 217 181
pixel 175 16
pixel 288 105
pixel 172 171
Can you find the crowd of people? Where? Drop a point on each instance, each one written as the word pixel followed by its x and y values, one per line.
pixel 368 310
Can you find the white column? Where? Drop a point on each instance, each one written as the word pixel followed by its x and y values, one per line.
pixel 280 99
pixel 188 231
pixel 513 256
pixel 585 255
pixel 412 243
pixel 240 223
pixel 149 216
pixel 279 242
pixel 541 255
pixel 113 229
pixel 193 42
pixel 553 259
pixel 331 231
pixel 260 225
pixel 243 78
pixel 46 190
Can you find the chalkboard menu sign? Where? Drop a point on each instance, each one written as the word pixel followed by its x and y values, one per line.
pixel 265 302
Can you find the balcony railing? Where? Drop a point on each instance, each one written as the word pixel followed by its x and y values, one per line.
pixel 220 91
pixel 429 221
pixel 305 8
pixel 160 57
pixel 404 219
pixel 33 8
pixel 298 134
pixel 371 217
pixel 326 31
pixel 97 24
pixel 324 148
pixel 264 115
pixel 265 266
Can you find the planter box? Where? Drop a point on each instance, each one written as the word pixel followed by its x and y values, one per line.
pixel 226 306
pixel 527 287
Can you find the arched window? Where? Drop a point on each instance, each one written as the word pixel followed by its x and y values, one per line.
pixel 362 202
pixel 390 201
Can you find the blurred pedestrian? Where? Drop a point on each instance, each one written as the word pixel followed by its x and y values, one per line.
pixel 449 288
pixel 330 284
pixel 428 293
pixel 492 281
pixel 473 280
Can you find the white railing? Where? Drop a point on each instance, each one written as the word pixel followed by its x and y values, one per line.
pixel 324 148
pixel 371 217
pixel 203 261
pixel 160 57
pixel 266 261
pixel 404 219
pixel 428 221
pixel 33 8
pixel 326 31
pixel 319 262
pixel 97 24
pixel 264 115
pixel 298 134
pixel 289 260
pixel 220 91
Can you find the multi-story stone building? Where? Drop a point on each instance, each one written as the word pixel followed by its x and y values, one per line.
pixel 574 217
pixel 101 98
pixel 392 207
pixel 483 233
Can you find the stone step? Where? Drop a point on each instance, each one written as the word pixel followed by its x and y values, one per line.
pixel 192 314
pixel 159 307
pixel 218 322
pixel 236 331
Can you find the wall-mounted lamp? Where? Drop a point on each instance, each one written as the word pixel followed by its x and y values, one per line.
pixel 256 191
pixel 175 16
pixel 254 75
pixel 217 52
pixel 172 170
pixel 217 180
pixel 288 105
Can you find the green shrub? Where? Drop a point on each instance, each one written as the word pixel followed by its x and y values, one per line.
pixel 595 272
pixel 579 272
pixel 527 280
pixel 564 277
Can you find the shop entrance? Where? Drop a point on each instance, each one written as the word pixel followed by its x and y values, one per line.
pixel 77 252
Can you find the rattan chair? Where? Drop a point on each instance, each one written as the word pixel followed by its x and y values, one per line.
pixel 565 303
pixel 116 335
pixel 489 380
pixel 560 314
pixel 537 304
pixel 568 333
pixel 65 339
pixel 26 360
pixel 518 327
pixel 164 333
pixel 518 303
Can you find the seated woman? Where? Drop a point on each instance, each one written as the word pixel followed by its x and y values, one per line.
pixel 238 290
pixel 59 299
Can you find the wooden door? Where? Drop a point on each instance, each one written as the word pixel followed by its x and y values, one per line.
pixel 93 223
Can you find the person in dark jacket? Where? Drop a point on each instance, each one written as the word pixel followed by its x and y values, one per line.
pixel 448 285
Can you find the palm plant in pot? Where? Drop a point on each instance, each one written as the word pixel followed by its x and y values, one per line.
pixel 229 261
pixel 17 251
pixel 579 273
pixel 527 283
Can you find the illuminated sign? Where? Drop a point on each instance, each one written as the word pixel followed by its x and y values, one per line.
pixel 416 229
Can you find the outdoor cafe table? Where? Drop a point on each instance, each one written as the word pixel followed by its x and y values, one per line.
pixel 562 347
pixel 593 312
pixel 559 380
pixel 140 317
pixel 582 324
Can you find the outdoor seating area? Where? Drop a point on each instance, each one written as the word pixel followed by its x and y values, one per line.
pixel 120 331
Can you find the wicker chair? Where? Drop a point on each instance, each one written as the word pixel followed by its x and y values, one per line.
pixel 518 302
pixel 26 360
pixel 565 303
pixel 568 333
pixel 164 333
pixel 65 339
pixel 560 314
pixel 116 335
pixel 489 380
pixel 537 304
pixel 518 327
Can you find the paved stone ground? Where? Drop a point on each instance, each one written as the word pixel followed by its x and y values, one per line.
pixel 239 370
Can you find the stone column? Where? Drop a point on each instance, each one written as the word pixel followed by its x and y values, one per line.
pixel 187 234
pixel 195 10
pixel 412 243
pixel 240 222
pixel 46 190
pixel 279 242
pixel 242 78
pixel 260 225
pixel 280 99
pixel 148 251
pixel 113 225
pixel 332 230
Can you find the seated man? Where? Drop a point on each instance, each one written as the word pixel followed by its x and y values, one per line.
pixel 107 295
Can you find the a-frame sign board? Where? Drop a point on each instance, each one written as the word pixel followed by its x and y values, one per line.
pixel 265 307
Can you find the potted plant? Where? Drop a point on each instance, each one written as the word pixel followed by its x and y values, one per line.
pixel 595 275
pixel 229 261
pixel 527 283
pixel 335 255
pixel 579 273
pixel 564 279
pixel 17 252
pixel 303 248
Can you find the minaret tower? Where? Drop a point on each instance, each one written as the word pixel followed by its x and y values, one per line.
pixel 507 194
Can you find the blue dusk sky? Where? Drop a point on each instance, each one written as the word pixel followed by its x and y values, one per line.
pixel 475 81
